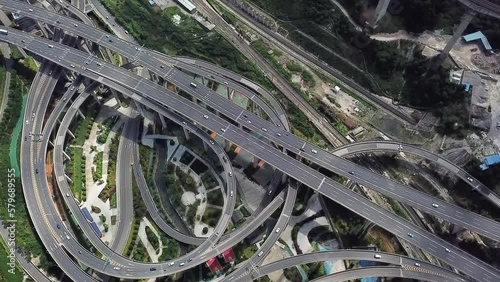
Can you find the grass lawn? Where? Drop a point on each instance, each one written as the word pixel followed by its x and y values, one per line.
pixel 77 169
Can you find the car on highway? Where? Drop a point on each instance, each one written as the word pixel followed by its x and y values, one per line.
pixel 469 178
pixel 263 129
pixel 212 142
pixel 152 269
pixel 400 147
pixel 249 121
pixel 75 25
pixel 351 172
pixel 172 263
pixel 50 46
pixel 230 174
pixel 58 226
pixel 80 252
pixel 377 256
pixel 225 82
pixel 270 192
pixel 67 194
pixel 181 264
pixel 191 259
pixel 27 121
pixel 410 235
pixel 31 10
pixel 116 268
pixel 223 130
pixel 278 134
pixel 232 193
pixel 245 115
pixel 161 66
pixel 435 205
pixel 417 264
pixel 447 250
pixel 261 253
pixel 193 85
pixel 278 230
pixel 36 171
pixel 224 159
pixel 205 116
pixel 314 151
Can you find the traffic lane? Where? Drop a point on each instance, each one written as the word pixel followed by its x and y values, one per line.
pixel 184 113
pixel 377 182
pixel 381 217
pixel 269 242
pixel 348 255
pixel 44 83
pixel 371 146
pixel 380 271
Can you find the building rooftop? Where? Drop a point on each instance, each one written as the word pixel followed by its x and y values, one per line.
pixel 187 5
pixel 489 161
pixel 478 35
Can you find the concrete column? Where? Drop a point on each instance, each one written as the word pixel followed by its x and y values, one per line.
pixel 380 11
pixel 71 134
pixel 139 108
pixel 163 122
pixel 80 114
pixel 255 161
pixel 205 146
pixel 115 95
pixel 466 19
pixel 66 155
pixel 67 177
pixel 186 133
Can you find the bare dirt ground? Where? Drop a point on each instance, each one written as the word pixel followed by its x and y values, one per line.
pixel 48 172
pixel 387 245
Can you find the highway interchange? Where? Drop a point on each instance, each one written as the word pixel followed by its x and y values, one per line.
pixel 155 97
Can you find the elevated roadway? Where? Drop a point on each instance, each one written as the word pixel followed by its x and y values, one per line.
pixel 288 165
pixel 383 271
pixel 357 255
pixel 37 103
pixel 393 146
pixel 323 158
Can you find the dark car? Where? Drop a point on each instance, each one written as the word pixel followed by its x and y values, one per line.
pixel 36 171
pixel 58 226
pixel 152 268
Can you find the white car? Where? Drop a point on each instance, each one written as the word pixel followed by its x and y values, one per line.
pixel 212 142
pixel 231 193
pixel 447 250
pixel 314 151
pixel 263 129
pixel 116 268
pixel 67 194
pixel 205 116
pixel 435 205
pixel 417 264
pixel 278 230
pixel 261 253
pixel 377 256
pixel 223 130
pixel 469 178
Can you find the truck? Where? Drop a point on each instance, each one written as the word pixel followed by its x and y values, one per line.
pixel 4 32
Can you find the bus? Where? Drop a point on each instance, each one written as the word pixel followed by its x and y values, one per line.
pixel 3 31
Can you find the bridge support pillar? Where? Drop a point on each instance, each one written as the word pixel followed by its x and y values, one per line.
pixel 71 134
pixel 255 162
pixel 67 177
pixel 186 133
pixel 205 146
pixel 139 108
pixel 466 19
pixel 367 226
pixel 115 95
pixel 80 114
pixel 380 11
pixel 163 122
pixel 66 155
